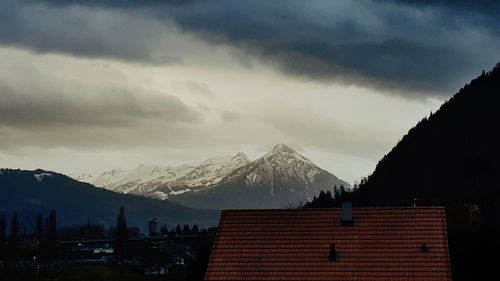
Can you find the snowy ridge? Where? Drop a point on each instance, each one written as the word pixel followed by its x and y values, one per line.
pixel 280 176
pixel 140 179
pixel 211 172
pixel 174 180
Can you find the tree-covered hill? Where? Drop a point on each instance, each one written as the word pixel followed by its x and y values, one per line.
pixel 36 192
pixel 451 158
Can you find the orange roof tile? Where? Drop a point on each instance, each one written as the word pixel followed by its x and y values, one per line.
pixel 383 244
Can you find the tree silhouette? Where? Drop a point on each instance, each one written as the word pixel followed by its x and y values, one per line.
pixel 342 190
pixel 164 230
pixel 329 195
pixel 195 229
pixel 121 234
pixel 3 229
pixel 336 193
pixel 178 230
pixel 13 237
pixel 40 235
pixel 87 229
pixel 3 234
pixel 39 232
pixel 185 229
pixel 52 234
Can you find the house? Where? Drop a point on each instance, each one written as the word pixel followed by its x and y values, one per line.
pixel 363 244
pixel 153 227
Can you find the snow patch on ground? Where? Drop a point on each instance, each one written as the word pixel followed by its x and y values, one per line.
pixel 39 177
pixel 180 191
pixel 159 195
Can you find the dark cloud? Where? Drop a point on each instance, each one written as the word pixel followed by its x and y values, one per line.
pixel 378 61
pixel 484 6
pixel 119 3
pixel 46 101
pixel 380 44
pixel 79 31
pixel 404 46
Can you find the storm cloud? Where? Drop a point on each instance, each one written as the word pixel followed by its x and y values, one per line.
pixel 424 47
pixel 87 86
pixel 50 101
pixel 45 102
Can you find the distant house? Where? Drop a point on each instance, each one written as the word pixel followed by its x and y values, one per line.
pixel 363 244
pixel 153 227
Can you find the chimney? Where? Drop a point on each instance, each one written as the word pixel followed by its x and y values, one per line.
pixel 333 252
pixel 424 248
pixel 347 219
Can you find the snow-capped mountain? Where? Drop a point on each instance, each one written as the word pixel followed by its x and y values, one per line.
pixel 36 192
pixel 281 177
pixel 174 180
pixel 282 164
pixel 209 172
pixel 141 178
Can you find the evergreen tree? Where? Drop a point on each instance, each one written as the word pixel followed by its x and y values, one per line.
pixel 337 193
pixel 195 229
pixel 185 229
pixel 328 196
pixel 178 230
pixel 40 234
pixel 13 237
pixel 3 229
pixel 321 199
pixel 39 229
pixel 355 187
pixel 3 235
pixel 52 234
pixel 87 229
pixel 164 230
pixel 121 235
pixel 342 190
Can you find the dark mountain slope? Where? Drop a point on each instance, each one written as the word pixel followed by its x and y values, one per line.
pixel 452 159
pixel 32 192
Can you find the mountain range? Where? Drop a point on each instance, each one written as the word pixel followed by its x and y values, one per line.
pixel 36 192
pixel 279 178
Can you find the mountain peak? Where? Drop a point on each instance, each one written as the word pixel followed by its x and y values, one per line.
pixel 282 148
pixel 241 155
pixel 283 155
pixel 279 177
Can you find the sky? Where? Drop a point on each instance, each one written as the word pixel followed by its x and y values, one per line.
pixel 88 86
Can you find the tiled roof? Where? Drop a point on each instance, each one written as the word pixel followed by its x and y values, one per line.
pixel 294 245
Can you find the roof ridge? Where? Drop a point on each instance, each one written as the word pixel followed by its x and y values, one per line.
pixel 330 209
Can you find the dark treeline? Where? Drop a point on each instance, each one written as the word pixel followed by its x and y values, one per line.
pixel 41 244
pixel 449 159
pixel 329 200
pixel 178 230
pixel 50 253
pixel 75 201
